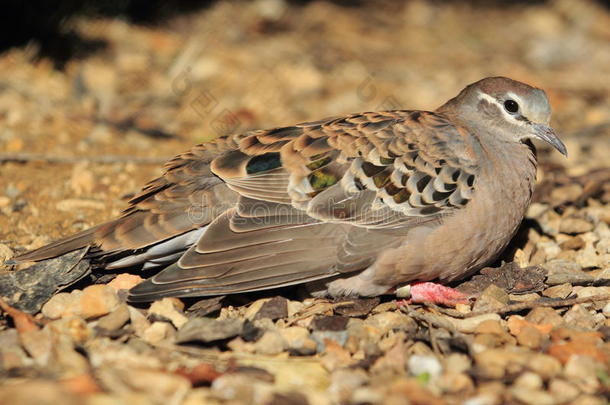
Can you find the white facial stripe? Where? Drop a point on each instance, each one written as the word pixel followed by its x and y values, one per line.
pixel 509 117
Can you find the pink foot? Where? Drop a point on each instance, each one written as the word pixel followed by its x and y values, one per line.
pixel 430 292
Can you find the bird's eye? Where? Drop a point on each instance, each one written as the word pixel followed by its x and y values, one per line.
pixel 511 106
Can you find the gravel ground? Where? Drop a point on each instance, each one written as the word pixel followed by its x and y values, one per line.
pixel 76 141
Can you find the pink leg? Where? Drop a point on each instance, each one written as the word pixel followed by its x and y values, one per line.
pixel 436 293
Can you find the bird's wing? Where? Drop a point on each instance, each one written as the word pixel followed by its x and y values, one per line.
pixel 317 199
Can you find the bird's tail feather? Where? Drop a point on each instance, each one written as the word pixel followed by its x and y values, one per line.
pixel 59 247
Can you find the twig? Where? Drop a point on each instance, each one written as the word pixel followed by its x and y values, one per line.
pixel 520 306
pixel 104 159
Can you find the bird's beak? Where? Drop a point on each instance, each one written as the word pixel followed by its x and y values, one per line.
pixel 546 133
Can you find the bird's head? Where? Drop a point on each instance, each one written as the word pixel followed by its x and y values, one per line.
pixel 520 112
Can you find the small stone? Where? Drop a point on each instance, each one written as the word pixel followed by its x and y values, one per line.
pixel 138 321
pixel 76 328
pixel 205 307
pixel 492 298
pixel 469 325
pixel 298 341
pixel 357 307
pixel 563 194
pixel 588 257
pixel 584 292
pixel 428 365
pixel 275 308
pixel 544 316
pixel 582 371
pixel 344 382
pixel 575 226
pixel 82 180
pixel 574 243
pixel 37 392
pixel 531 337
pixel 457 363
pixel 125 281
pixel 530 396
pixel 114 320
pixel 241 389
pixel 75 204
pixel 606 310
pixel 529 380
pixel 254 308
pixel 455 383
pixel 168 309
pixel 158 332
pixel 558 291
pixel 61 305
pixel 270 343
pixel 322 337
pixel 544 365
pixel 98 300
pixel 209 330
pixel 161 387
pixel 562 390
pixel 5 253
pixel 38 344
pixel 392 321
pixel 329 323
pixel 578 316
pixel 565 272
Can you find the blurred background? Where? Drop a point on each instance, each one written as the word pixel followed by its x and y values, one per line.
pixel 127 80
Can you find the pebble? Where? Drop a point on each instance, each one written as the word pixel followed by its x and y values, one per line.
pixel 61 305
pixel 241 389
pixel 275 308
pixel 387 321
pixel 76 204
pixel 74 327
pixel 558 291
pixel 455 383
pixel 298 341
pixel 270 343
pixel 562 390
pixel 98 300
pixel 544 316
pixel 469 325
pixel 491 299
pixel 544 365
pixel 457 363
pixel 36 392
pixel 569 192
pixel 529 380
pixel 344 381
pixel 530 396
pixel 588 257
pixel 168 309
pixel 606 310
pixel 531 337
pixel 428 365
pixel 5 253
pixel 574 242
pixel 582 371
pixel 575 226
pixel 138 321
pixel 125 281
pixel 565 272
pixel 209 330
pixel 158 332
pixel 579 317
pixel 114 320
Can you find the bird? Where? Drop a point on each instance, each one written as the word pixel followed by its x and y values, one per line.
pixel 366 204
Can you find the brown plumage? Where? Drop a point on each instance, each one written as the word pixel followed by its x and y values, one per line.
pixel 367 201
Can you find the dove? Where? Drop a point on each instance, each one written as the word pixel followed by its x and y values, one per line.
pixel 400 201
